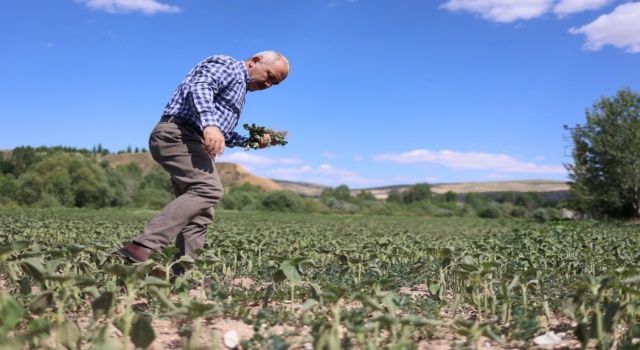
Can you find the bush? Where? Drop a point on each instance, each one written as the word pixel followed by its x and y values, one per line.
pixel 518 212
pixel 423 207
pixel 8 188
pixel 340 205
pixel 382 208
pixel 491 212
pixel 395 196
pixel 314 206
pixel 285 201
pixel 477 201
pixel 554 213
pixel 443 213
pixel 540 215
pixel 239 200
pixel 151 198
pixel 417 193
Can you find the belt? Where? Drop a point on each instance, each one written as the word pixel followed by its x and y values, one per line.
pixel 172 119
pixel 181 122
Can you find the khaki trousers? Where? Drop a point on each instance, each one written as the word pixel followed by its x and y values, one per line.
pixel 179 149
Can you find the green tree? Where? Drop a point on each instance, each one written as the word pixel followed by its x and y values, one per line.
pixel 450 196
pixel 475 201
pixel 529 200
pixel 341 192
pixel 606 170
pixel 365 196
pixel 125 181
pixel 242 197
pixel 395 196
pixel 65 179
pixel 286 201
pixel 417 192
pixel 157 178
pixel 22 158
pixel 8 188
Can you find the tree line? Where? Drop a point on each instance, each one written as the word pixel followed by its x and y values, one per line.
pixel 69 177
pixel 605 180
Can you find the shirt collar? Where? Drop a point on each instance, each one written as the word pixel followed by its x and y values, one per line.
pixel 244 71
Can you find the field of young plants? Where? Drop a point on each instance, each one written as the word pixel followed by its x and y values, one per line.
pixel 278 281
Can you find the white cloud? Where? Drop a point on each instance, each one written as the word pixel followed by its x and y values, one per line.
pixel 567 7
pixel 358 158
pixel 501 10
pixel 471 161
pixel 249 160
pixel 620 28
pixel 148 7
pixel 325 174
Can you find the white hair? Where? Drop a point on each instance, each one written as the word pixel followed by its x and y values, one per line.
pixel 272 56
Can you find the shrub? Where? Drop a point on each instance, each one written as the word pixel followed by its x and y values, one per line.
pixel 151 198
pixel 540 215
pixel 314 206
pixel 417 193
pixel 285 201
pixel 239 200
pixel 518 212
pixel 491 212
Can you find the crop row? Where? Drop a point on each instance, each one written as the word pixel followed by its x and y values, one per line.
pixel 325 282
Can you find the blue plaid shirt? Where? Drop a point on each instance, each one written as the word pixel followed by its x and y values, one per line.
pixel 212 94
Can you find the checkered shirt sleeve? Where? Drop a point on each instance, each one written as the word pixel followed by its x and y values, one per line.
pixel 212 94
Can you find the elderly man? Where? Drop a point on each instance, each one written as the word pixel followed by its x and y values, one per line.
pixel 197 124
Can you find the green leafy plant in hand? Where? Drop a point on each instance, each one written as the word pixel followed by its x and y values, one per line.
pixel 256 134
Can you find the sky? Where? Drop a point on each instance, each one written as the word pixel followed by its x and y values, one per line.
pixel 380 92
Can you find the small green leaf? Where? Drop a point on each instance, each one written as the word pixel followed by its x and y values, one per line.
pixel 142 334
pixel 309 304
pixel 37 326
pixel 156 282
pixel 41 302
pixel 421 322
pixel 7 249
pixel 290 271
pixel 69 334
pixel 10 313
pixel 102 304
pixel 33 267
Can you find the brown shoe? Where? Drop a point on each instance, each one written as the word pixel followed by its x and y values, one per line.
pixel 135 253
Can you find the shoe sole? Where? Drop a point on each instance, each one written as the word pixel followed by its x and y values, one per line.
pixel 124 254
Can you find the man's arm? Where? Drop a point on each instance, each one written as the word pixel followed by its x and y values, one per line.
pixel 203 94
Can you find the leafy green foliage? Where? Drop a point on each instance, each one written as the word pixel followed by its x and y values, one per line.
pixel 286 201
pixel 606 169
pixel 256 133
pixel 358 281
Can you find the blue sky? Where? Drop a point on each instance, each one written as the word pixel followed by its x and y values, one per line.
pixel 380 92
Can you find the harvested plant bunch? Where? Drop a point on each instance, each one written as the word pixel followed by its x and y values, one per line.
pixel 256 133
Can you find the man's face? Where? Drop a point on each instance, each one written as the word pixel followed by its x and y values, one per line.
pixel 264 75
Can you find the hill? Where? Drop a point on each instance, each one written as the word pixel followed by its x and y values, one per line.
pixel 548 189
pixel 230 173
pixel 234 174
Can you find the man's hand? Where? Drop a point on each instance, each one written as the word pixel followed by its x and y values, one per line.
pixel 266 141
pixel 213 141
